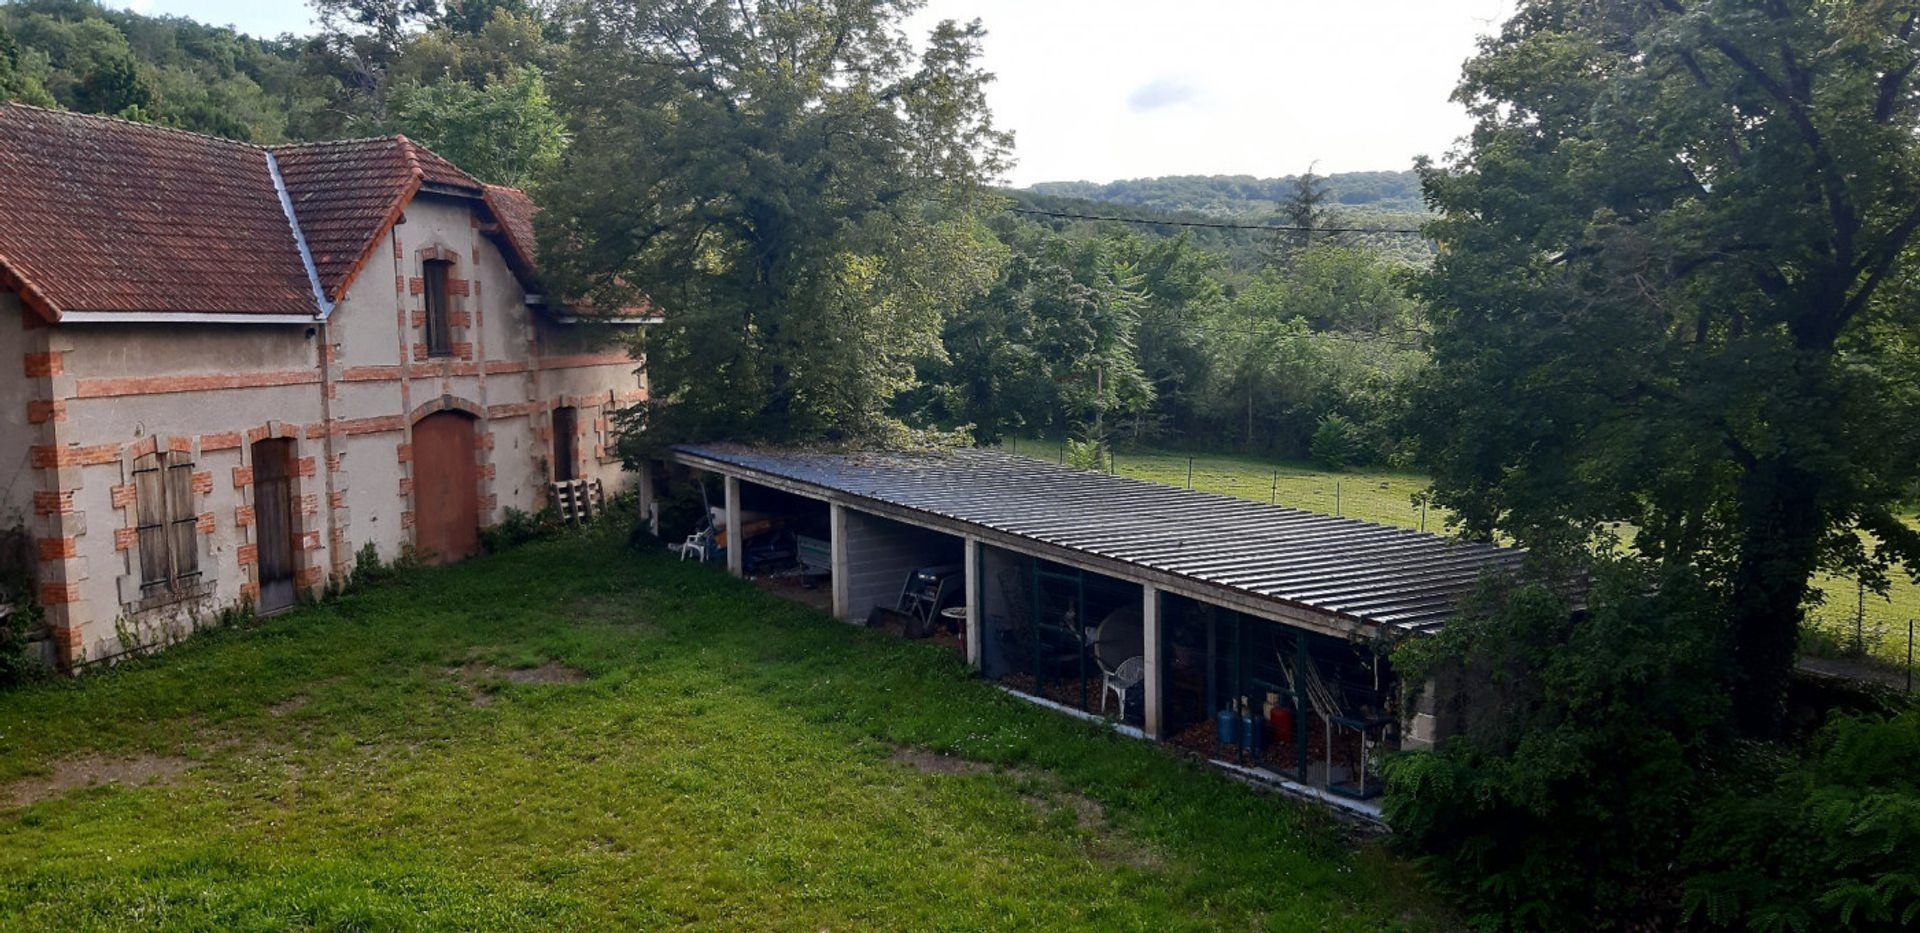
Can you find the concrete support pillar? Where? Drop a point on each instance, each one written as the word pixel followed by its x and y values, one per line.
pixel 1419 727
pixel 842 573
pixel 974 609
pixel 736 548
pixel 1151 708
pixel 649 509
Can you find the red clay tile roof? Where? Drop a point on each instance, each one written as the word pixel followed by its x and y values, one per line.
pixel 105 215
pixel 346 194
pixel 514 211
pixel 99 214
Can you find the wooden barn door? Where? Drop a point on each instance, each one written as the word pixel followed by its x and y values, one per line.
pixel 273 522
pixel 446 512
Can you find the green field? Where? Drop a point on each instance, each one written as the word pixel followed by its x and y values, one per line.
pixel 1387 497
pixel 576 736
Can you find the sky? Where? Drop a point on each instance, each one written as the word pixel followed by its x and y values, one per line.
pixel 1108 89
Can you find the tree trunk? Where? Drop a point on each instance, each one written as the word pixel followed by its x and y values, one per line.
pixel 1779 551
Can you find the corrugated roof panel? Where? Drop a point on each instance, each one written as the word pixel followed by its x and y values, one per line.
pixel 1365 573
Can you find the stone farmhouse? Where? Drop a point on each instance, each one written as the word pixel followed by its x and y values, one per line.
pixel 225 369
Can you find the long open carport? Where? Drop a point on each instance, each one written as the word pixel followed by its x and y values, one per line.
pixel 1234 610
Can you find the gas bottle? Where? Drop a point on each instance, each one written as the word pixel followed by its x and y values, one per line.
pixel 1253 732
pixel 1280 718
pixel 1228 724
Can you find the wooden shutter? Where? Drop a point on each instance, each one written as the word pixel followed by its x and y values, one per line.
pixel 184 522
pixel 150 522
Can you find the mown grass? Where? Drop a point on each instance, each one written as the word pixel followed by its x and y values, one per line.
pixel 729 760
pixel 1847 620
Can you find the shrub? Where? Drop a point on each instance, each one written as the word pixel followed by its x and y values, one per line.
pixel 1828 842
pixel 1085 455
pixel 1564 800
pixel 1337 442
pixel 518 527
pixel 17 666
pixel 369 570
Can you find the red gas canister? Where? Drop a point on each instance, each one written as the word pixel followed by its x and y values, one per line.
pixel 1281 717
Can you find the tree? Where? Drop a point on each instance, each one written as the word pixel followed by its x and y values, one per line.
pixel 15 82
pixel 1305 210
pixel 794 183
pixel 1678 293
pixel 114 87
pixel 507 133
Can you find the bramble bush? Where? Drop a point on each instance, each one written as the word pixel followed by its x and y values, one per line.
pixel 1831 841
pixel 1597 783
pixel 1564 798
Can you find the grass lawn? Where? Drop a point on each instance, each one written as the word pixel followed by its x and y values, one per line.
pixel 1386 497
pixel 573 735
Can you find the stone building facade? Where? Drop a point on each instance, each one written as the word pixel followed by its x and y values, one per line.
pixel 227 369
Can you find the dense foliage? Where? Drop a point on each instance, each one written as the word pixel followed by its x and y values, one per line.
pixel 166 70
pixel 1829 842
pixel 1119 338
pixel 1678 293
pixel 1566 797
pixel 797 182
pixel 505 132
pixel 462 77
pixel 1673 340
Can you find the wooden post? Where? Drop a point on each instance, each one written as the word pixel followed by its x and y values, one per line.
pixel 1150 704
pixel 974 609
pixel 736 548
pixel 842 574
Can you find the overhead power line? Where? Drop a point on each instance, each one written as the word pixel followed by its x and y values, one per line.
pixel 1210 225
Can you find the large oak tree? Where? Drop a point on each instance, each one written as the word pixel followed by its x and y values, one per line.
pixel 1677 297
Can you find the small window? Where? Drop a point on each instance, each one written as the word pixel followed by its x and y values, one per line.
pixel 439 333
pixel 165 522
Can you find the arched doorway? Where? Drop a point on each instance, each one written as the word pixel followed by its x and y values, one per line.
pixel 446 495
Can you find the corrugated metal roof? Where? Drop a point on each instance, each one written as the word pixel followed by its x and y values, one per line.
pixel 1347 570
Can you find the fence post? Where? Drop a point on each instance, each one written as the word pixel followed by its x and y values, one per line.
pixel 1336 498
pixel 1860 617
pixel 1016 446
pixel 1423 516
pixel 1909 655
pixel 1189 472
pixel 1273 494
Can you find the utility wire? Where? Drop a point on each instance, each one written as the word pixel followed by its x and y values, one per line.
pixel 1276 228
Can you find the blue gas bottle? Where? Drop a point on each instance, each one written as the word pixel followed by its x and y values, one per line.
pixel 1228 723
pixel 1253 731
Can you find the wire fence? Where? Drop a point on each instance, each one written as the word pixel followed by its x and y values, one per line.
pixel 1854 621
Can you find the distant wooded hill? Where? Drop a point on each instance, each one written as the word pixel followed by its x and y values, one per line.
pixel 1244 195
pixel 1160 207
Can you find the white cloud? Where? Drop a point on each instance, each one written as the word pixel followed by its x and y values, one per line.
pixel 1160 93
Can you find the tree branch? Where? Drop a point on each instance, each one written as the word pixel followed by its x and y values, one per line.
pixel 1891 82
pixel 1889 252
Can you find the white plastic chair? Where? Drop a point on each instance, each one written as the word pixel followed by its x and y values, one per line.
pixel 697 543
pixel 1122 679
